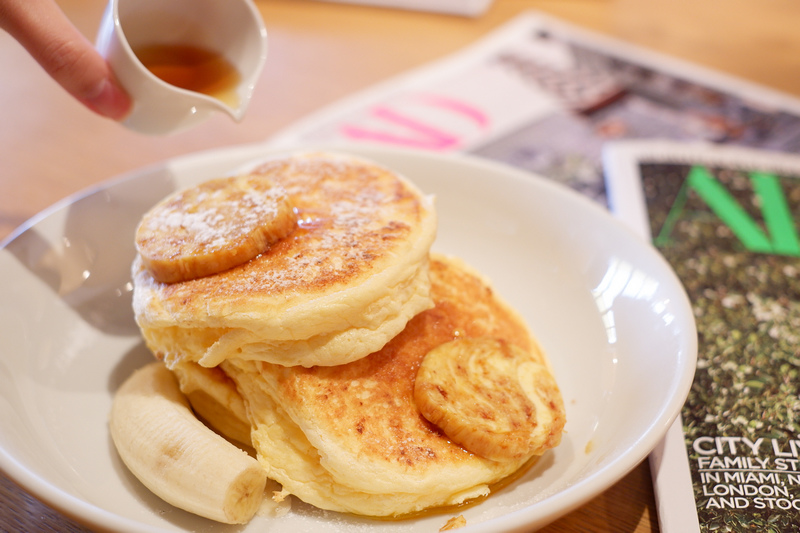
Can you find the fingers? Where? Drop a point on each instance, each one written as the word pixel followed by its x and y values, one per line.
pixel 65 54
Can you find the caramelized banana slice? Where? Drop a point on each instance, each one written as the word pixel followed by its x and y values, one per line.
pixel 213 226
pixel 492 398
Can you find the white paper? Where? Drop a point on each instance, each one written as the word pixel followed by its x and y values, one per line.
pixel 471 8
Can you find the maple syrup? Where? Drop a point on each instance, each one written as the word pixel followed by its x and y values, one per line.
pixel 194 69
pixel 495 487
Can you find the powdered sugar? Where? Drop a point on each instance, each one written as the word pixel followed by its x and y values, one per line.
pixel 353 220
pixel 217 220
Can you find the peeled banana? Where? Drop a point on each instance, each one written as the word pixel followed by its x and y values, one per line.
pixel 214 226
pixel 177 457
pixel 491 397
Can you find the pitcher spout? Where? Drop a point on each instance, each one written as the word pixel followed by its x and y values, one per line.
pixel 183 60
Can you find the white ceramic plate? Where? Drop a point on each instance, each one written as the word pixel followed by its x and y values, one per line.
pixel 605 306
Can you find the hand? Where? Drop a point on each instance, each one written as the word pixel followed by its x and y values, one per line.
pixel 65 54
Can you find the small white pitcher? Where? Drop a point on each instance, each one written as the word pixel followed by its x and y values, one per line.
pixel 231 28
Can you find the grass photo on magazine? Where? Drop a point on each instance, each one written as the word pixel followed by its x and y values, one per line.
pixel 731 236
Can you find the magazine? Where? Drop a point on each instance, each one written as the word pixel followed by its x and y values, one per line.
pixel 726 220
pixel 548 97
pixel 545 96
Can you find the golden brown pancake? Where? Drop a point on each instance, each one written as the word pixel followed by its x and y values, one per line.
pixel 350 438
pixel 339 287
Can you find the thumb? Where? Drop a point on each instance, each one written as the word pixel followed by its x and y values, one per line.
pixel 65 54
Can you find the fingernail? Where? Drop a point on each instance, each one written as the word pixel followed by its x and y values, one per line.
pixel 111 101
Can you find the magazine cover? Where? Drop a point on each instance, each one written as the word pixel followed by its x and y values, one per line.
pixel 726 219
pixel 546 96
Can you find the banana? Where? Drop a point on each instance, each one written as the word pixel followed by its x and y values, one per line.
pixel 493 398
pixel 214 226
pixel 177 457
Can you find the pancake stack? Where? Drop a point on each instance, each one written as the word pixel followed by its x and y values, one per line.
pixel 336 289
pixel 369 375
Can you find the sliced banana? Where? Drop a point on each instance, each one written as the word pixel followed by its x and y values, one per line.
pixel 493 398
pixel 177 457
pixel 214 226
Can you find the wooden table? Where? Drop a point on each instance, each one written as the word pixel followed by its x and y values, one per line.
pixel 51 147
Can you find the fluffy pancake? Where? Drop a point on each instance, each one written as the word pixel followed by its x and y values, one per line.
pixel 350 438
pixel 339 287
